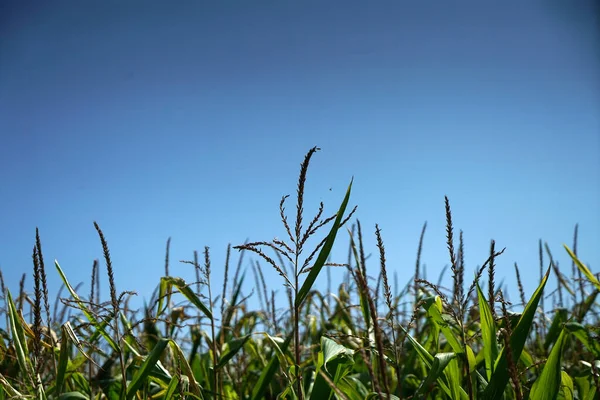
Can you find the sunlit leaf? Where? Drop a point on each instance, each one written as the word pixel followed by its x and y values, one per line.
pixel 547 385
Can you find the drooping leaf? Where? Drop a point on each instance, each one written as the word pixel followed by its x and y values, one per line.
pixel 99 326
pixel 167 282
pixel 331 350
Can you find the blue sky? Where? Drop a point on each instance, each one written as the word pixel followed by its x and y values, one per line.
pixel 190 120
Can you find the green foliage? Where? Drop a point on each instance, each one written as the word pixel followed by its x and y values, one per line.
pixel 365 341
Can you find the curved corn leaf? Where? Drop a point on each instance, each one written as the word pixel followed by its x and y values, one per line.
pixel 73 396
pixel 547 385
pixel 566 387
pixel 171 388
pixel 497 384
pixel 100 327
pixel 167 282
pixel 560 317
pixel 327 377
pixel 8 388
pixel 269 371
pixel 68 329
pixel 440 361
pixel 585 270
pixel 586 305
pixel 233 347
pixel 433 306
pixel 141 375
pixel 185 368
pixel 331 350
pixel 583 335
pixel 324 253
pixel 448 381
pixel 20 344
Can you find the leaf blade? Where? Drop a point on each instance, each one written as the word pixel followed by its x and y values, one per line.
pixel 324 253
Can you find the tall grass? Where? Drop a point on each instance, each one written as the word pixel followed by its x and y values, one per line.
pixel 365 339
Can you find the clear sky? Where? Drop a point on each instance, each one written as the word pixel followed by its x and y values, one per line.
pixel 190 120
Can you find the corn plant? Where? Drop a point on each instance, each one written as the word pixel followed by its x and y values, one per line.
pixel 363 339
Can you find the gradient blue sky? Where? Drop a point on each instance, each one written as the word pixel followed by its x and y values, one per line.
pixel 190 120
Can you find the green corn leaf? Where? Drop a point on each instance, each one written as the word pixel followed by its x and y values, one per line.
pixel 364 302
pixel 375 396
pixel 81 382
pixel 547 385
pixel 500 377
pixel 18 334
pixel 68 329
pixel 440 361
pixel 526 359
pixel 447 381
pixel 73 396
pixel 471 359
pixel 106 321
pixel 12 392
pixel 159 370
pixel 586 305
pixel 583 335
pixel 340 362
pixel 141 375
pixel 453 375
pixel 163 288
pixel 166 283
pixel 488 333
pixel 566 387
pixel 40 392
pixel 433 306
pixel 324 253
pixel 353 388
pixel 170 392
pixel 332 350
pixel 185 368
pixel 585 270
pixel 229 311
pixel 560 317
pixel 233 347
pixel 269 371
pixel 101 327
pixel 128 329
pixel 63 360
pixel 591 394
